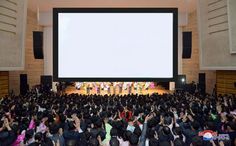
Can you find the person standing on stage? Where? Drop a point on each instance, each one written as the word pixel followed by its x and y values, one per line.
pixel 108 88
pixel 130 88
pixel 146 86
pixel 136 87
pixel 98 89
pixel 120 87
pixel 114 87
pixel 88 89
pixel 140 86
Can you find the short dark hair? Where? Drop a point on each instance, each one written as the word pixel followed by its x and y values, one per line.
pixel 133 140
pixel 28 135
pixel 165 143
pixel 167 120
pixel 232 125
pixel 153 142
pixel 166 130
pixel 54 128
pixel 137 131
pixel 195 125
pixel 126 135
pixel 197 141
pixel 114 142
pixel 38 136
pixel 178 142
pixel 93 142
pixel 113 132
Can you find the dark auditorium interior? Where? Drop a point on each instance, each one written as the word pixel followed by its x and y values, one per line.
pixel 117 73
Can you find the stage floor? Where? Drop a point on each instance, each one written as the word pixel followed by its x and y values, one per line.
pixel 159 90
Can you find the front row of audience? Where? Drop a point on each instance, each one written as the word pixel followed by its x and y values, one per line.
pixel 131 120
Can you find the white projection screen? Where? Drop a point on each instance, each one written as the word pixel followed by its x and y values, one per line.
pixel 114 44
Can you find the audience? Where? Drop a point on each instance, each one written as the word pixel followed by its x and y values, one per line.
pixel 175 119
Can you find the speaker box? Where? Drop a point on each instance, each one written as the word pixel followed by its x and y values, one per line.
pixel 180 82
pixel 23 84
pixel 38 44
pixel 46 80
pixel 202 83
pixel 187 44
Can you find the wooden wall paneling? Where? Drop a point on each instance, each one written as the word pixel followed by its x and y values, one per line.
pixel 225 81
pixel 4 83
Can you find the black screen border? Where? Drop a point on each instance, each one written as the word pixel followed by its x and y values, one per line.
pixel 56 11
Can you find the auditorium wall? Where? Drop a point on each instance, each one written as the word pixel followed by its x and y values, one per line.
pixel 226 82
pixel 191 66
pixel 33 67
pixel 4 83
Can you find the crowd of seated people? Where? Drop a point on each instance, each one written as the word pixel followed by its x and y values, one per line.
pixel 175 119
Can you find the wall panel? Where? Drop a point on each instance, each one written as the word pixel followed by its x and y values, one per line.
pixel 33 67
pixel 225 81
pixel 191 67
pixel 217 28
pixel 12 34
pixel 4 83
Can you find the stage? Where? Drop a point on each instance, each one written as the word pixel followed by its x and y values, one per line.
pixel 158 89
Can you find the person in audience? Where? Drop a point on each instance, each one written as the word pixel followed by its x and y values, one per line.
pixel 52 119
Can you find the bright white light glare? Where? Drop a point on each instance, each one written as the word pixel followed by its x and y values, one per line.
pixel 115 45
pixel 183 80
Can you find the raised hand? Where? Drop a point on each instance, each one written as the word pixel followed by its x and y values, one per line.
pixel 190 118
pixel 6 124
pixel 161 120
pixel 77 121
pixel 148 117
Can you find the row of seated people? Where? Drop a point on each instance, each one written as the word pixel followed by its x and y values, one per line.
pixel 178 119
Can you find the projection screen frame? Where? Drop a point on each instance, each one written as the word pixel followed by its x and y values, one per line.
pixel 56 11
